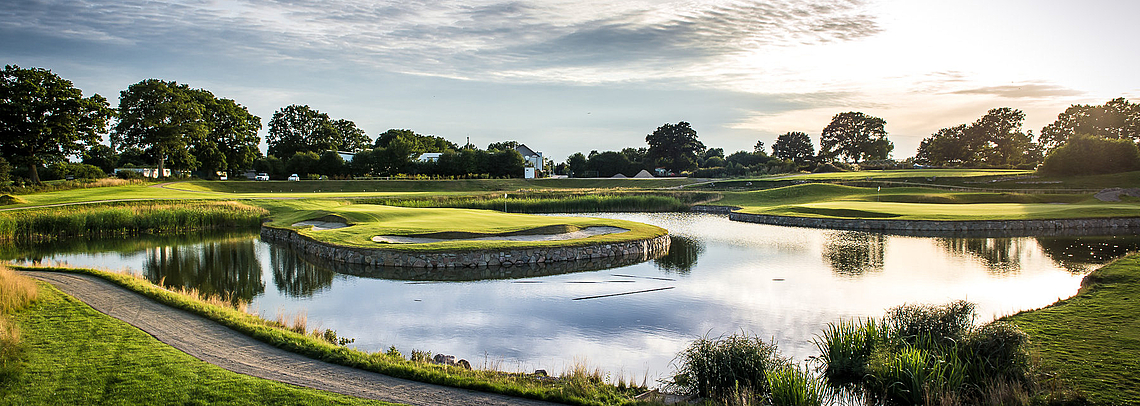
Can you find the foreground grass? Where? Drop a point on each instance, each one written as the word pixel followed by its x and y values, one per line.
pixel 1092 340
pixel 77 356
pixel 366 221
pixel 836 201
pixel 580 389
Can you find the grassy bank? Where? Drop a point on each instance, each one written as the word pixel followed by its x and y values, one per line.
pixel 560 201
pixel 366 221
pixel 836 201
pixel 1092 340
pixel 581 388
pixel 125 218
pixel 75 355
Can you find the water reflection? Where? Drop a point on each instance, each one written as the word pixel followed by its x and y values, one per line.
pixel 298 267
pixel 227 268
pixel 1000 255
pixel 295 276
pixel 683 254
pixel 1074 253
pixel 854 253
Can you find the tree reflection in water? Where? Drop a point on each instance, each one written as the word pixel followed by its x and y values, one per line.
pixel 227 268
pixel 294 276
pixel 682 256
pixel 1075 253
pixel 854 253
pixel 1000 255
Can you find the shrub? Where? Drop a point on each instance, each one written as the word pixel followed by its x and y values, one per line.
pixel 1090 155
pixel 942 322
pixel 827 168
pixel 718 368
pixel 845 348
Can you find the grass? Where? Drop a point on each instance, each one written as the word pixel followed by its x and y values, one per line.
pixel 572 391
pixel 1092 340
pixel 76 355
pixel 560 201
pixel 367 220
pixel 829 200
pixel 16 294
pixel 125 218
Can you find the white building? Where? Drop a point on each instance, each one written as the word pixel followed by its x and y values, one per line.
pixel 532 159
pixel 429 157
pixel 146 172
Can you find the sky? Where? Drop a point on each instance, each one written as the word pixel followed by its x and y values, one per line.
pixel 568 76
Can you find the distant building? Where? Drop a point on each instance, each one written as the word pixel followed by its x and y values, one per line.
pixel 146 172
pixel 532 159
pixel 346 156
pixel 429 157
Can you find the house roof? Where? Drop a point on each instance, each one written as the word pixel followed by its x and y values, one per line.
pixel 525 151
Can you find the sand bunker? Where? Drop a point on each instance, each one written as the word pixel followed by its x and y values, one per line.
pixel 319 225
pixel 583 233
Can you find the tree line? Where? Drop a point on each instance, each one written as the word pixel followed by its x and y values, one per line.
pixel 45 121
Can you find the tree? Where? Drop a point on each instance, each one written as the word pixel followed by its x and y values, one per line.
pixel 503 146
pixel 297 128
pixel 578 164
pixel 675 146
pixel 855 136
pixel 303 163
pixel 162 118
pixel 233 134
pixel 1117 119
pixel 759 147
pixel 102 157
pixel 44 118
pixel 608 163
pixel 350 137
pixel 795 146
pixel 420 143
pixel 1091 155
pixel 505 163
pixel 996 139
pixel 331 164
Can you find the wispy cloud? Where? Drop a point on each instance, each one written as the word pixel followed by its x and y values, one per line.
pixel 603 40
pixel 1024 91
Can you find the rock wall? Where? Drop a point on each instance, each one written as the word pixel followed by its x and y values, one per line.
pixel 379 257
pixel 921 226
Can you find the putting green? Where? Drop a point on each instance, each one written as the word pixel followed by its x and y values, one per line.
pixel 365 221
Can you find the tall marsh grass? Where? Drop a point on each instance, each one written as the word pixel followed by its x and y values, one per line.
pixel 562 202
pixel 126 218
pixel 16 293
pixel 927 355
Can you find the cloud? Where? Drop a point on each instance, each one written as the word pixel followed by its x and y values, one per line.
pixel 529 39
pixel 1023 91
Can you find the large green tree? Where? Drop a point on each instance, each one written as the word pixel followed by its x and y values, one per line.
pixel 855 137
pixel 996 139
pixel 795 146
pixel 44 118
pixel 420 143
pixel 1118 118
pixel 233 141
pixel 164 119
pixel 296 128
pixel 675 146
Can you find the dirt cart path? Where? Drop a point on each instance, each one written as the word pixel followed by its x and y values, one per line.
pixel 216 344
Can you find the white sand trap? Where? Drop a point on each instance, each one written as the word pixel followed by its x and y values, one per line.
pixel 583 233
pixel 320 225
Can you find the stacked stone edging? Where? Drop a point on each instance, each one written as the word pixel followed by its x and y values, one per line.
pixel 644 249
pixel 938 226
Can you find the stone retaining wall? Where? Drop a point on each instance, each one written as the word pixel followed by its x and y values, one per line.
pixel 640 249
pixel 920 226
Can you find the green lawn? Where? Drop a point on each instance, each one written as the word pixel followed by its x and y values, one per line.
pixel 368 220
pixel 78 356
pixel 1093 338
pixel 829 200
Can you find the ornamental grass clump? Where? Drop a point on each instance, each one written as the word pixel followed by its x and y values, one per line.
pixel 927 355
pixel 719 368
pixel 16 293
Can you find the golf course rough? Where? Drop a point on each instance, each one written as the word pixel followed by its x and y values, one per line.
pixel 353 244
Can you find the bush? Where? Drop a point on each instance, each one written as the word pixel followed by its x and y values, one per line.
pixel 719 368
pixel 944 322
pixel 130 175
pixel 1090 155
pixel 827 168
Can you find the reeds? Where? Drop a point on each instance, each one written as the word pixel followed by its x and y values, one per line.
pixel 125 219
pixel 16 293
pixel 927 355
pixel 718 368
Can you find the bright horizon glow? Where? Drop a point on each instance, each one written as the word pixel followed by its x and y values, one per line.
pixel 574 76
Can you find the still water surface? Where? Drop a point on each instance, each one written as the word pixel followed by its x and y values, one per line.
pixel 720 277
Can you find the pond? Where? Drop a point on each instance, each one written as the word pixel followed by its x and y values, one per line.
pixel 720 277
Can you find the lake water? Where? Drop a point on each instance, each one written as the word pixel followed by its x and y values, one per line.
pixel 720 277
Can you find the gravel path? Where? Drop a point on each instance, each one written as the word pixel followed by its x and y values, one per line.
pixel 216 344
